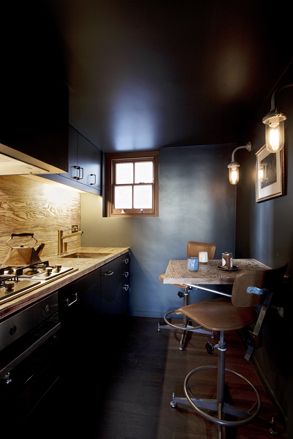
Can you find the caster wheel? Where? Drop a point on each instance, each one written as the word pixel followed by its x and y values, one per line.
pixel 173 402
pixel 209 348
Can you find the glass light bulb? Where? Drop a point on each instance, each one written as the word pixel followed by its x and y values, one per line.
pixel 274 138
pixel 234 174
pixel 275 132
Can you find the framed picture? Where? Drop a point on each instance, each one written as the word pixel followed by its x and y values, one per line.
pixel 270 177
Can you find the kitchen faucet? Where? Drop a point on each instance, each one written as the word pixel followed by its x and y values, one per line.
pixel 62 238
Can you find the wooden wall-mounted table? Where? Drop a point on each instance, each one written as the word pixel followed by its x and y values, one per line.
pixel 177 273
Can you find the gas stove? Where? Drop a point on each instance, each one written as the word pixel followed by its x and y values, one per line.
pixel 18 280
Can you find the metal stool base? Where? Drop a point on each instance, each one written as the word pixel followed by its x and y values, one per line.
pixel 219 407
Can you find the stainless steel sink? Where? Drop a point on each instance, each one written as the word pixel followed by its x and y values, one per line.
pixel 86 255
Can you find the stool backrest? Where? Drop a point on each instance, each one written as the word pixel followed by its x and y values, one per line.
pixel 275 277
pixel 242 281
pixel 268 279
pixel 194 247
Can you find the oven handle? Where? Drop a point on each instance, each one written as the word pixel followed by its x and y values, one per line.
pixel 30 349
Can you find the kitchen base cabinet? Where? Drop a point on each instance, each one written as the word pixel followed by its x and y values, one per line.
pixel 103 291
pixel 74 300
pixel 78 332
pixel 114 278
pixel 90 308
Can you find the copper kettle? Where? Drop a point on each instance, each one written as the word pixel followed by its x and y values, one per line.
pixel 23 254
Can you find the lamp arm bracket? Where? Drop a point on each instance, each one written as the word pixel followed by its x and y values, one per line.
pixel 247 146
pixel 273 98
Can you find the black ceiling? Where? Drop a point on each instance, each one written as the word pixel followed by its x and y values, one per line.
pixel 145 74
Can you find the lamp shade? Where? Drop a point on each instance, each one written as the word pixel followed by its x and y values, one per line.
pixel 275 132
pixel 233 172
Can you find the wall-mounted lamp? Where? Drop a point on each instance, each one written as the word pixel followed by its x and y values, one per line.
pixel 274 125
pixel 234 166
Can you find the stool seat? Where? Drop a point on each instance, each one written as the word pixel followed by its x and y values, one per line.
pixel 219 315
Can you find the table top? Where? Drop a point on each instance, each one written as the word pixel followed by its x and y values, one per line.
pixel 177 273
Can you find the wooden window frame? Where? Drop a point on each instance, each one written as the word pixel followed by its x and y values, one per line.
pixel 110 160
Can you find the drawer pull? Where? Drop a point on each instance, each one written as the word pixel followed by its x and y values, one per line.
pixel 109 273
pixel 68 303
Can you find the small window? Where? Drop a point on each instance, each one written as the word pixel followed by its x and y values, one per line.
pixel 132 184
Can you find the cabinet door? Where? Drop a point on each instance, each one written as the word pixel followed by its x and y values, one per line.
pixel 77 301
pixel 84 165
pixel 115 286
pixel 34 94
pixel 72 152
pixel 89 162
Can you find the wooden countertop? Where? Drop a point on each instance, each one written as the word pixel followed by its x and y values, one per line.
pixel 177 273
pixel 82 266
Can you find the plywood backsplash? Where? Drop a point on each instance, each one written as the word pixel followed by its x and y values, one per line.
pixel 30 204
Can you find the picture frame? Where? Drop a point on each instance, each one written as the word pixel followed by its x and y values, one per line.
pixel 270 178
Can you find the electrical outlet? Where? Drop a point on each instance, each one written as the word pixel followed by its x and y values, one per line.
pixel 74 228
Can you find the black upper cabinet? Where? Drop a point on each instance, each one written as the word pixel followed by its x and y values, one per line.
pixel 84 164
pixel 85 161
pixel 33 83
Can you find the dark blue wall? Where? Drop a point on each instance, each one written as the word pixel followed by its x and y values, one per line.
pixel 196 203
pixel 265 231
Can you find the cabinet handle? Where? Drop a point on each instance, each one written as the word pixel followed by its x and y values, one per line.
pixel 109 273
pixel 126 260
pixel 77 173
pixel 68 303
pixel 94 182
pixel 126 274
pixel 125 288
pixel 81 175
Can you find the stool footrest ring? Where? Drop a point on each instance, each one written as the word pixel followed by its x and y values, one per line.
pixel 220 407
pixel 185 326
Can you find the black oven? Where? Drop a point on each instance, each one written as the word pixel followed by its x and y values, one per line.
pixel 29 359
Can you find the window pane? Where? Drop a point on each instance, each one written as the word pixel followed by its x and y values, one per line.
pixel 143 197
pixel 144 172
pixel 124 173
pixel 123 197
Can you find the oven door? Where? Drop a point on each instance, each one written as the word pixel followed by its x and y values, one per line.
pixel 29 368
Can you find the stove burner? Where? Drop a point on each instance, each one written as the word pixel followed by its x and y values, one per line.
pixel 17 280
pixel 19 270
pixel 11 285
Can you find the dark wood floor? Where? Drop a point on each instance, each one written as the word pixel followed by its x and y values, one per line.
pixel 117 383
